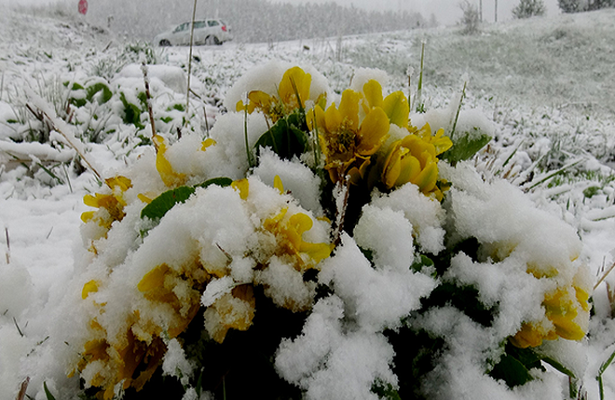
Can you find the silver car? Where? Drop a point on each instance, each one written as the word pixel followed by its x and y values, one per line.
pixel 208 31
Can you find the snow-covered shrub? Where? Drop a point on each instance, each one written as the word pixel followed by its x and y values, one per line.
pixel 322 246
pixel 529 8
pixel 572 6
pixel 471 18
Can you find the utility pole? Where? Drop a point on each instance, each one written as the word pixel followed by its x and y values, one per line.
pixel 481 10
pixel 496 10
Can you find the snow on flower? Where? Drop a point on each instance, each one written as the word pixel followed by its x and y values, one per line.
pixel 203 238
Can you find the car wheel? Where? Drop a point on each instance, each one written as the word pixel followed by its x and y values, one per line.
pixel 211 40
pixel 165 43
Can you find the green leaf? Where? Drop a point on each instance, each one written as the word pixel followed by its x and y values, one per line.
pixel 167 200
pixel 132 113
pixel 222 182
pixel 558 366
pixel 47 392
pixel 287 138
pixel 163 203
pixel 99 87
pixel 76 86
pixel 385 390
pixel 511 371
pixel 420 262
pixel 466 145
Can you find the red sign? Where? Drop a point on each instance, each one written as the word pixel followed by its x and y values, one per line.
pixel 83 6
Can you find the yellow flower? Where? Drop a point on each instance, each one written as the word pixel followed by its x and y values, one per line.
pixel 233 310
pixel 567 310
pixel 293 91
pixel 440 142
pixel 346 142
pixel 395 105
pixel 140 347
pixel 113 202
pixel 414 159
pixel 289 232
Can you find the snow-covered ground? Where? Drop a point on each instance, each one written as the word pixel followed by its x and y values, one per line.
pixel 547 85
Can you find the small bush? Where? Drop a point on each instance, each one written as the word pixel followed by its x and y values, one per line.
pixel 573 6
pixel 471 17
pixel 529 8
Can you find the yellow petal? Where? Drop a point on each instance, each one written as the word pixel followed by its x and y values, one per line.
pixel 349 108
pixel 397 109
pixel 261 100
pixel 144 198
pixel 392 165
pixel 277 183
pixel 153 279
pixel 90 287
pixel 409 171
pixel 373 93
pixel 243 187
pixel 530 335
pixel 440 142
pixel 301 223
pixel 87 216
pixel 120 182
pixel 333 118
pixel 424 151
pixel 295 81
pixel 373 132
pixel 92 201
pixel 317 251
pixel 207 143
pixel 426 180
pixel 165 170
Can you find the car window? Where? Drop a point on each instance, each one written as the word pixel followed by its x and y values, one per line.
pixel 182 27
pixel 199 24
pixel 213 23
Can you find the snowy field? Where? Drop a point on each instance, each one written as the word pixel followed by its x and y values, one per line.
pixel 544 87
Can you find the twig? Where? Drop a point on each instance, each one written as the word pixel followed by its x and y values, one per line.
pixel 149 102
pixel 190 61
pixel 23 388
pixel 204 110
pixel 18 328
pixel 8 246
pixel 206 121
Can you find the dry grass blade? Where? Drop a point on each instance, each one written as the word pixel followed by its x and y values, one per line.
pixel 22 389
pixel 190 61
pixel 52 124
pixel 603 277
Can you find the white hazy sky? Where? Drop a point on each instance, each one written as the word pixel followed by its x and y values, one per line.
pixel 446 11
